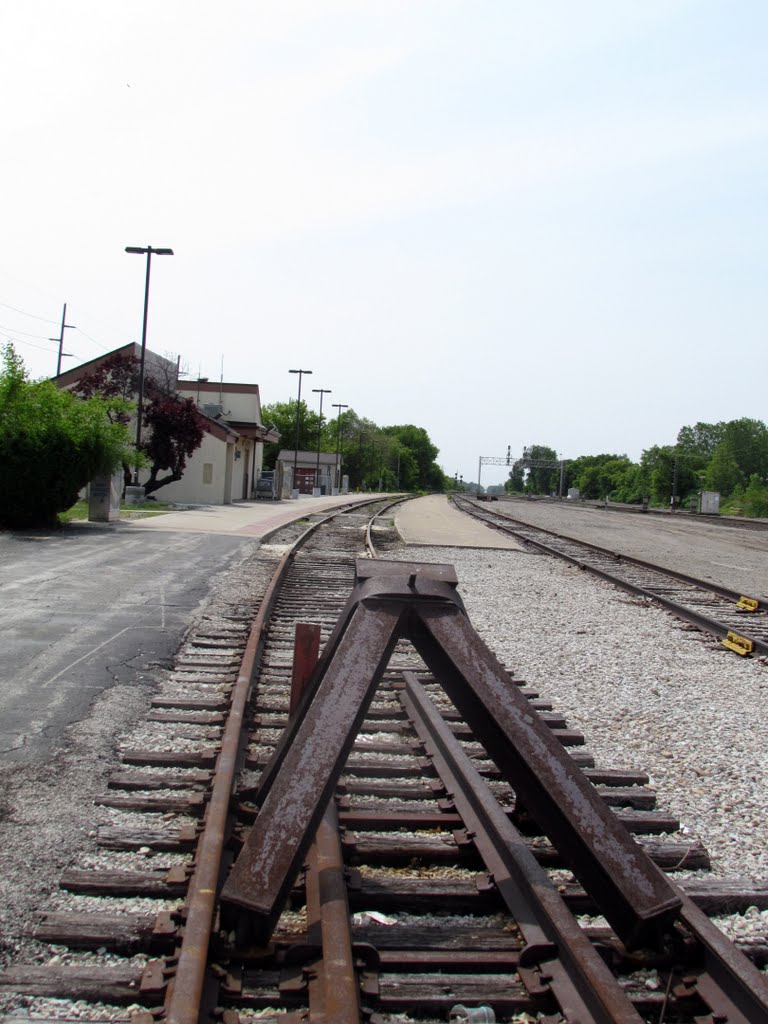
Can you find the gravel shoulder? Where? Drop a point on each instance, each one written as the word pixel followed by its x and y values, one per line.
pixel 47 813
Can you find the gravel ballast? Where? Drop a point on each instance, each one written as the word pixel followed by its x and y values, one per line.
pixel 647 692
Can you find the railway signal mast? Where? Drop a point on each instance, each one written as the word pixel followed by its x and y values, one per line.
pixel 493 460
pixel 526 462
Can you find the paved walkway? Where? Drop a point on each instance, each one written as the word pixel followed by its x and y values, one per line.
pixel 433 521
pixel 244 518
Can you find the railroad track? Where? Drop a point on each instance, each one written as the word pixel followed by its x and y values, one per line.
pixel 740 522
pixel 740 621
pixel 427 884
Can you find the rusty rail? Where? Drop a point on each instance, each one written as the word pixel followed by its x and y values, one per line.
pixel 556 949
pixel 185 993
pixel 423 607
pixel 370 547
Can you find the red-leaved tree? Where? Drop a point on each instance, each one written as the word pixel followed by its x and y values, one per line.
pixel 172 428
pixel 177 432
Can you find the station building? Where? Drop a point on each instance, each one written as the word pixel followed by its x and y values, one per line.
pixel 227 465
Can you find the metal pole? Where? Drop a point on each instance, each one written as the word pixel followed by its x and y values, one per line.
pixel 298 421
pixel 321 392
pixel 562 474
pixel 140 406
pixel 479 471
pixel 674 486
pixel 339 406
pixel 64 325
pixel 296 448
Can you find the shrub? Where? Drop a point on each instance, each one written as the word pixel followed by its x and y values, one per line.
pixel 51 444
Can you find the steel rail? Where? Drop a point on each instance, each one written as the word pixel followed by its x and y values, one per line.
pixel 369 545
pixel 186 986
pixel 334 989
pixel 681 514
pixel 715 588
pixel 704 622
pixel 556 946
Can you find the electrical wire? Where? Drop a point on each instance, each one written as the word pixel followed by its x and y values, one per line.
pixel 12 330
pixel 32 345
pixel 24 313
pixel 98 343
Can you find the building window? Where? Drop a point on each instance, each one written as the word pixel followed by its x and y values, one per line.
pixel 207 472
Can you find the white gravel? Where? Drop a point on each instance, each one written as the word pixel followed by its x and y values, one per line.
pixel 647 692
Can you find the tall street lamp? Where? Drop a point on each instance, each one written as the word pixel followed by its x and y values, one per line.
pixel 339 406
pixel 298 420
pixel 321 392
pixel 148 250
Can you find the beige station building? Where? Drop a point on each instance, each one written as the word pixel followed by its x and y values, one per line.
pixel 227 465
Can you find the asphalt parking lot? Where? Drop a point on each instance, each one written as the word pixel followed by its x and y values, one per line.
pixel 88 607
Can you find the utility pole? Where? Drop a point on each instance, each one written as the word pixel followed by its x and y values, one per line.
pixel 60 339
pixel 339 406
pixel 674 485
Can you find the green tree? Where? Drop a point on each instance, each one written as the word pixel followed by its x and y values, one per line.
pixel 360 460
pixel 541 480
pixel 723 473
pixel 598 476
pixel 516 482
pixel 417 441
pixel 658 473
pixel 282 415
pixel 629 487
pixel 51 444
pixel 398 456
pixel 748 442
pixel 700 440
pixel 755 499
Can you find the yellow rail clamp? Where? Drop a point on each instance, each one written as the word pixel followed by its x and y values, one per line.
pixel 747 604
pixel 740 644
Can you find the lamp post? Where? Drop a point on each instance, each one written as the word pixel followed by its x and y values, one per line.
pixel 148 250
pixel 339 406
pixel 321 392
pixel 298 420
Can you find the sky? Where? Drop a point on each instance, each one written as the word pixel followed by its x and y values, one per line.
pixel 511 222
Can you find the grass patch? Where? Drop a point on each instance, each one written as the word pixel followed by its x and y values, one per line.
pixel 79 511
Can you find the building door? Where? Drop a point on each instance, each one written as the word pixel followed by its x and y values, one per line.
pixel 305 480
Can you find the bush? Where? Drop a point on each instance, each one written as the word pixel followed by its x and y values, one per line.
pixel 756 498
pixel 51 444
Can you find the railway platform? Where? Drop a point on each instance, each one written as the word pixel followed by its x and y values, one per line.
pixel 431 520
pixel 253 519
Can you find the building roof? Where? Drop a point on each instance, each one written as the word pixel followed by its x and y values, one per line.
pixel 151 359
pixel 221 427
pixel 218 387
pixel 307 458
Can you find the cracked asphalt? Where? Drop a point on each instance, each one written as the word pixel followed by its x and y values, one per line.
pixel 87 608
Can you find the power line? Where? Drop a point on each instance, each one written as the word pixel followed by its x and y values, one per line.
pixel 33 345
pixel 102 347
pixel 13 330
pixel 45 320
pixel 24 313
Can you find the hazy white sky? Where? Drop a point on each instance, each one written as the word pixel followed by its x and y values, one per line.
pixel 508 222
